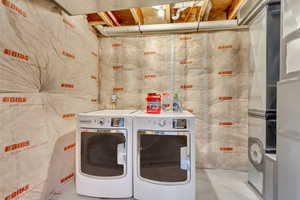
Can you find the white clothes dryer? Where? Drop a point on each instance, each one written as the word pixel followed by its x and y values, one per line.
pixel 104 154
pixel 164 156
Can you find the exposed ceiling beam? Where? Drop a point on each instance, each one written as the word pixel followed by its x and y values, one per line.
pixel 207 11
pixel 106 19
pixel 236 4
pixel 189 13
pixel 137 15
pixel 80 7
pixel 203 10
pixel 168 13
pixel 113 18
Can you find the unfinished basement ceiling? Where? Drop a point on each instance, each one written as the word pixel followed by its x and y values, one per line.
pixel 184 12
pixel 81 7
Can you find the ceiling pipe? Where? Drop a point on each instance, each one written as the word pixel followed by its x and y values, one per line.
pixel 184 5
pixel 170 28
pixel 178 13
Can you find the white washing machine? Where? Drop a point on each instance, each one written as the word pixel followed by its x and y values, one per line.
pixel 164 156
pixel 256 150
pixel 104 154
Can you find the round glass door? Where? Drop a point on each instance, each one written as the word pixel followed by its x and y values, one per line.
pixel 103 153
pixel 164 157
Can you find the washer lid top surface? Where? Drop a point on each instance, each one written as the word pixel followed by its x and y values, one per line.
pixel 109 113
pixel 183 114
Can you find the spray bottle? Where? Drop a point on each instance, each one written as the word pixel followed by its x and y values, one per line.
pixel 176 103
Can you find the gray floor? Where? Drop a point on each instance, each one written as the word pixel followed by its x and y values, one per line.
pixel 211 185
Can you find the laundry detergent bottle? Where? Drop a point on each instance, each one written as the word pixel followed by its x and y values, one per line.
pixel 153 103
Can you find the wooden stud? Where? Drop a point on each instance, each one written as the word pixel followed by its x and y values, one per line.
pixel 236 4
pixel 137 15
pixel 106 19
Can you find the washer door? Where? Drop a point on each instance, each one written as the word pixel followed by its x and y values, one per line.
pixel 256 153
pixel 164 157
pixel 103 152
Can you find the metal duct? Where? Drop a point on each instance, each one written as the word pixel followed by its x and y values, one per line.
pixel 169 28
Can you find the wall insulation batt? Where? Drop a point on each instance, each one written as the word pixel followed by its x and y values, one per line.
pixel 48 73
pixel 209 71
pixel 49 69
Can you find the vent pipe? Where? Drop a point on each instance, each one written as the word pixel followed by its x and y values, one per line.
pixel 192 27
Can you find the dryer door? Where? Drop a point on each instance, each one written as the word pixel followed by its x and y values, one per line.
pixel 164 157
pixel 103 152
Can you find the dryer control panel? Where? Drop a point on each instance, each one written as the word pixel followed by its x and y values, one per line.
pixel 102 122
pixel 164 124
pixel 179 123
pixel 117 122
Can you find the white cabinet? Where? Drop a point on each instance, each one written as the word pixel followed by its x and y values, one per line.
pixel 292 55
pixel 291 37
pixel 258 35
pixel 291 16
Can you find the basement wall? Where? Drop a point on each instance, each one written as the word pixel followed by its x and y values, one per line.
pixel 48 73
pixel 209 71
pixel 49 69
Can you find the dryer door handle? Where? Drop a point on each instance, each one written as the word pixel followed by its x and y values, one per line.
pixel 185 162
pixel 121 154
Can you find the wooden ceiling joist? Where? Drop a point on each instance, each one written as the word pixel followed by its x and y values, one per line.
pixel 113 18
pixel 106 19
pixel 203 10
pixel 137 15
pixel 189 13
pixel 236 4
pixel 168 13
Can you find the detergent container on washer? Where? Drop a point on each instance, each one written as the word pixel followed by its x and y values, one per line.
pixel 153 103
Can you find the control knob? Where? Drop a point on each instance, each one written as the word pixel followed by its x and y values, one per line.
pixel 162 123
pixel 101 122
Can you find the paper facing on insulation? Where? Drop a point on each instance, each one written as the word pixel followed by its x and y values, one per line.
pixel 59 175
pixel 19 146
pixel 48 73
pixel 210 74
pixel 61 110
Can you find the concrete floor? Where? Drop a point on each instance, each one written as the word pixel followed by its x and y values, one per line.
pixel 211 185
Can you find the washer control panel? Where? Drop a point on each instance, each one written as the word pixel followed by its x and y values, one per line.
pixel 102 122
pixel 166 124
pixel 179 123
pixel 117 122
pixel 98 122
pixel 162 123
